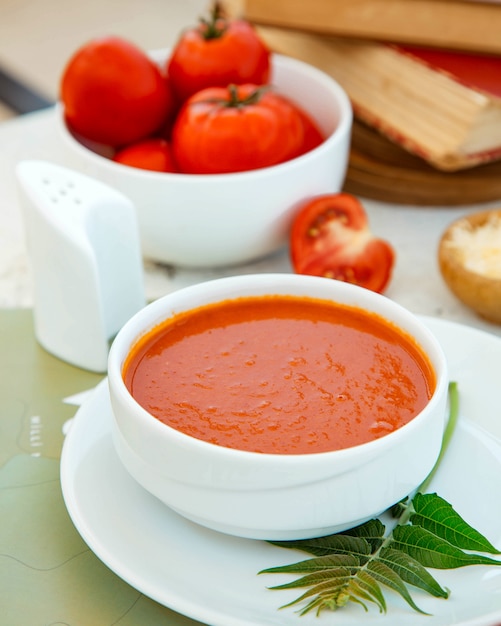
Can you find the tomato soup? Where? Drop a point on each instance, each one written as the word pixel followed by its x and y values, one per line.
pixel 280 374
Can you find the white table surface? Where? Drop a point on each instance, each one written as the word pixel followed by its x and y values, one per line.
pixel 413 231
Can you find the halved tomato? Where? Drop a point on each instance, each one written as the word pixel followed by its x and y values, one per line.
pixel 330 237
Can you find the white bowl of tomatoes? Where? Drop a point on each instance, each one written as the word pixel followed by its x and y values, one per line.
pixel 195 216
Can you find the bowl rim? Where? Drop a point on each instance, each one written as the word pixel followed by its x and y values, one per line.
pixel 148 317
pixel 343 128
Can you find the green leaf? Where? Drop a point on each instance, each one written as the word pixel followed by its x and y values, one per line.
pixel 359 590
pixel 433 551
pixel 319 602
pixel 412 572
pixel 331 544
pixel 385 575
pixel 398 509
pixel 372 531
pixel 336 576
pixel 321 563
pixel 330 591
pixel 333 588
pixel 438 516
pixel 367 583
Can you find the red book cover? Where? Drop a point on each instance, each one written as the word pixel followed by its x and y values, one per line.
pixel 481 72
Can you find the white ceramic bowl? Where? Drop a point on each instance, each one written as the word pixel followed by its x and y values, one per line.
pixel 226 219
pixel 268 496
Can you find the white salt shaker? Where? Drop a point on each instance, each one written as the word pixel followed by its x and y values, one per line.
pixel 83 243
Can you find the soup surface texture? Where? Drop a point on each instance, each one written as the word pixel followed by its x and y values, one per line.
pixel 280 375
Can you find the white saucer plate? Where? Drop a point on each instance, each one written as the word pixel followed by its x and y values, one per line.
pixel 213 578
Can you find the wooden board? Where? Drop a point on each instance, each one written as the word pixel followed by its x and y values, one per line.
pixel 444 23
pixel 381 170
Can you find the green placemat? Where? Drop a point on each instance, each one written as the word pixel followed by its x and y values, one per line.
pixel 48 575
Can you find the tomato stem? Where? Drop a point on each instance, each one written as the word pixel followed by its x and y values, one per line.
pixel 252 98
pixel 234 101
pixel 216 26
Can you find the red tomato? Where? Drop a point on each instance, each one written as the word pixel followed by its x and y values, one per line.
pixel 113 93
pixel 313 136
pixel 330 237
pixel 235 129
pixel 149 154
pixel 216 53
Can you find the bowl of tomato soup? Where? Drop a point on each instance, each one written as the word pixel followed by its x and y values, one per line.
pixel 277 406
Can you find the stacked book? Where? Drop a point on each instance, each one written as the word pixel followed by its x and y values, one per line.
pixel 424 78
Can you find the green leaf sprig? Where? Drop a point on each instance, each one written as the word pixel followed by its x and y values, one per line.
pixel 352 566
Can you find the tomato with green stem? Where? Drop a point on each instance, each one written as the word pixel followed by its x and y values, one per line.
pixel 216 53
pixel 330 237
pixel 235 129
